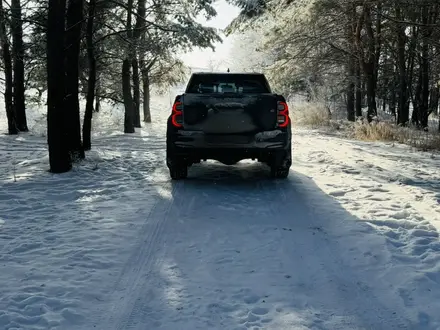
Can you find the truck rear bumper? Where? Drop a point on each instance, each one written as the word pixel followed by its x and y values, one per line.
pixel 271 147
pixel 270 140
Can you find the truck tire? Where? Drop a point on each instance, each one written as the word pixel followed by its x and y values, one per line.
pixel 279 172
pixel 177 166
pixel 178 172
pixel 280 166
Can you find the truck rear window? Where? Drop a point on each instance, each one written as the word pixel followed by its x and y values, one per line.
pixel 229 83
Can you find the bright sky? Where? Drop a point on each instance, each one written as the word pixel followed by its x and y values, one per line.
pixel 207 59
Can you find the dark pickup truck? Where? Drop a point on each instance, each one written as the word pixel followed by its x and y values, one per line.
pixel 229 117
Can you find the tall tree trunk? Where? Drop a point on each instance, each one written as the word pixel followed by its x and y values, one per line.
pixel 18 55
pixel 402 106
pixel 402 99
pixel 7 61
pixel 378 42
pixel 364 90
pixel 97 102
pixel 360 59
pixel 57 132
pixel 73 44
pixel 128 98
pixel 413 75
pixel 137 34
pixel 136 93
pixel 386 84
pixel 145 70
pixel 416 98
pixel 358 105
pixel 350 100
pixel 126 75
pixel 88 114
pixel 392 105
pixel 426 34
pixel 424 108
pixel 434 101
pixel 371 92
pixel 393 92
pixel 146 103
pixel 97 92
pixel 370 64
pixel 351 63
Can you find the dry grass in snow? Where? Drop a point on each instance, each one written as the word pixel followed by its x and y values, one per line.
pixel 317 115
pixel 385 131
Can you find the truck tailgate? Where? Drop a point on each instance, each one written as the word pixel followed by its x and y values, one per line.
pixel 229 113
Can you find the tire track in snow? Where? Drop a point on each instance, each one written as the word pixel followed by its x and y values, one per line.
pixel 307 252
pixel 136 308
pixel 128 296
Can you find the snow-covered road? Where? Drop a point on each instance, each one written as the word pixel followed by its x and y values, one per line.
pixel 349 241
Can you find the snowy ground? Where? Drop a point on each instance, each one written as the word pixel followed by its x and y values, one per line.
pixel 349 241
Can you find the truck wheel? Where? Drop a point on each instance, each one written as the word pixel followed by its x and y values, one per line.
pixel 279 172
pixel 178 172
pixel 178 167
pixel 280 164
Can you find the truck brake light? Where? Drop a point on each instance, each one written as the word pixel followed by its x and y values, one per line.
pixel 176 116
pixel 283 114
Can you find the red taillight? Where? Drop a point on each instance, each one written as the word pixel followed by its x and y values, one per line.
pixel 176 116
pixel 283 114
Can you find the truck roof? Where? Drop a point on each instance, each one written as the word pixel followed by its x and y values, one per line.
pixel 229 73
pixel 255 79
